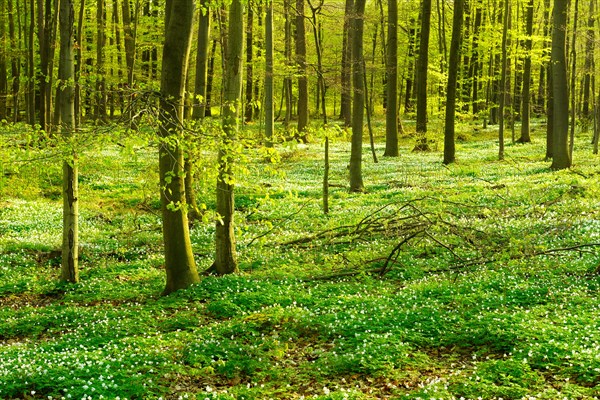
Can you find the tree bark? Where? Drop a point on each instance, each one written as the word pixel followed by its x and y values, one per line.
pixel 422 68
pixel 302 78
pixel 226 257
pixel 269 115
pixel 503 80
pixel 449 144
pixel 199 108
pixel 15 62
pixel 70 240
pixel 358 101
pixel 391 111
pixel 100 109
pixel 526 89
pixel 560 154
pixel 179 260
pixel 590 38
pixel 249 109
pixel 346 66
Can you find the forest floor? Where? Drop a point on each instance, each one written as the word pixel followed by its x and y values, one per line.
pixel 477 280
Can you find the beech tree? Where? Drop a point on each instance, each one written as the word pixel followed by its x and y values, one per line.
pixel 457 21
pixel 66 76
pixel 226 257
pixel 391 112
pixel 561 157
pixel 421 81
pixel 179 259
pixel 358 101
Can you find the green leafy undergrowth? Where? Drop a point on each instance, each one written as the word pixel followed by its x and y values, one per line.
pixel 495 295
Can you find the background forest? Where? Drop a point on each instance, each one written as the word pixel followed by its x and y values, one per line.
pixel 361 199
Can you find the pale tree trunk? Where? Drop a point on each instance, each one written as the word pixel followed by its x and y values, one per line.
pixel 3 69
pixel 422 67
pixel 79 53
pixel 15 62
pixel 226 257
pixel 449 143
pixel 526 89
pixel 590 38
pixel 346 68
pixel 70 240
pixel 358 101
pixel 391 111
pixel 269 116
pixel 573 79
pixel 199 106
pixel 179 259
pixel 302 78
pixel 560 154
pixel 100 109
pixel 249 109
pixel 503 80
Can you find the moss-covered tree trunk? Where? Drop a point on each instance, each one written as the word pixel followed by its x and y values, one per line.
pixel 179 260
pixel 560 153
pixel 66 76
pixel 225 255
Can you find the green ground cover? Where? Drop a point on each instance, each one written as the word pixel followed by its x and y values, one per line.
pixel 494 296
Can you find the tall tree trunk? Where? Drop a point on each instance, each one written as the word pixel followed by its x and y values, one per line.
pixel 303 110
pixel 179 259
pixel 503 79
pixel 269 116
pixel 422 68
pixel 391 111
pixel 318 48
pixel 449 144
pixel 226 257
pixel 573 79
pixel 249 109
pixel 199 110
pixel 542 99
pixel 3 69
pixel 70 240
pixel 100 109
pixel 15 63
pixel 408 93
pixel 30 97
pixel 560 154
pixel 358 101
pixel 78 63
pixel 346 67
pixel 287 80
pixel 526 95
pixel 45 39
pixel 129 41
pixel 474 63
pixel 590 38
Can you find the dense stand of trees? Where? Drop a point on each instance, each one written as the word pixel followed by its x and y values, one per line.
pixel 508 61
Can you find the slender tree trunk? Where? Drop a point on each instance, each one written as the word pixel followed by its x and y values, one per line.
pixel 320 75
pixel 179 259
pixel 269 115
pixel 3 69
pixel 391 111
pixel 526 93
pixel 249 109
pixel 346 67
pixel 449 144
pixel 70 240
pixel 287 80
pixel 226 257
pixel 358 101
pixel 549 112
pixel 422 68
pixel 560 154
pixel 573 79
pixel 129 41
pixel 100 109
pixel 30 98
pixel 15 62
pixel 210 78
pixel 474 63
pixel 408 94
pixel 590 38
pixel 303 110
pixel 199 109
pixel 503 79
pixel 542 98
